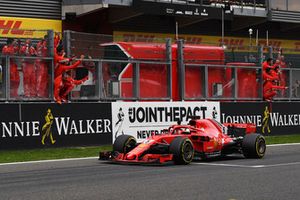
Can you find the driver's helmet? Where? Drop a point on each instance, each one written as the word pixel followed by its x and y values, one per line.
pixel 187 130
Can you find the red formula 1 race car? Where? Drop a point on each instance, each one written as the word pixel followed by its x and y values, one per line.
pixel 200 139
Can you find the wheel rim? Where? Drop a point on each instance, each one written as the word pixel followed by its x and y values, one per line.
pixel 128 146
pixel 261 147
pixel 188 151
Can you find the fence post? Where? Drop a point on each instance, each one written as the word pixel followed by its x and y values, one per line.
pixel 270 51
pixel 290 84
pixel 50 41
pixel 2 76
pixel 181 69
pixel 205 81
pixel 100 79
pixel 136 78
pixel 235 84
pixel 259 71
pixel 260 55
pixel 67 42
pixel 7 78
pixel 268 5
pixel 52 81
pixel 261 88
pixel 169 66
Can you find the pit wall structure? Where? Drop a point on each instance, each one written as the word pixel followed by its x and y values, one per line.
pixel 41 125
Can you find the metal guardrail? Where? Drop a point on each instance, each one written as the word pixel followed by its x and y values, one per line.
pixel 104 86
pixel 109 81
pixel 284 5
pixel 136 64
pixel 98 82
pixel 17 78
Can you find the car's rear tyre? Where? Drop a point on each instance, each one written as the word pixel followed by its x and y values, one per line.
pixel 124 143
pixel 254 146
pixel 182 150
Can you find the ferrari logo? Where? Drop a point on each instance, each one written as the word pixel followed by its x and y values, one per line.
pixel 265 122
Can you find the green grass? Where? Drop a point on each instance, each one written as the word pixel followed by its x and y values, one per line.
pixel 7 156
pixel 283 139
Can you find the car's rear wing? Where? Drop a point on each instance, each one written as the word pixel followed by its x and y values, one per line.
pixel 240 129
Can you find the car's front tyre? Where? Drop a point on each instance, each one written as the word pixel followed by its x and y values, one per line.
pixel 124 143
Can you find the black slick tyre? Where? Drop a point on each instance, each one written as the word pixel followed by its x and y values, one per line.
pixel 182 150
pixel 124 143
pixel 254 146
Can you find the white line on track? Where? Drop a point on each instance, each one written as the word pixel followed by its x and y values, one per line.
pixel 278 145
pixel 91 158
pixel 222 164
pixel 247 166
pixel 46 161
pixel 281 164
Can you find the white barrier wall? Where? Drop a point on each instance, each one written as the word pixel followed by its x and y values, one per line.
pixel 141 119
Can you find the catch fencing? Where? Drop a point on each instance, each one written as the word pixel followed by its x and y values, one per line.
pixel 163 73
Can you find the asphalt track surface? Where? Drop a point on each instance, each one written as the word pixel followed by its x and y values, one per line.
pixel 277 176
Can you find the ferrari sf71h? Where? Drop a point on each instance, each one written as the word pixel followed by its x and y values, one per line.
pixel 199 139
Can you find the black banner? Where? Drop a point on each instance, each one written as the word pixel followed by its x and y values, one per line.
pixel 276 118
pixel 177 9
pixel 52 125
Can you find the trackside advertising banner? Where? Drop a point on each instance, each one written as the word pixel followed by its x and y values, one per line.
pixel 276 118
pixel 142 119
pixel 19 27
pixel 53 125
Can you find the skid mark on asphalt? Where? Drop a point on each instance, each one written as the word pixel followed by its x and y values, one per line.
pixel 248 166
